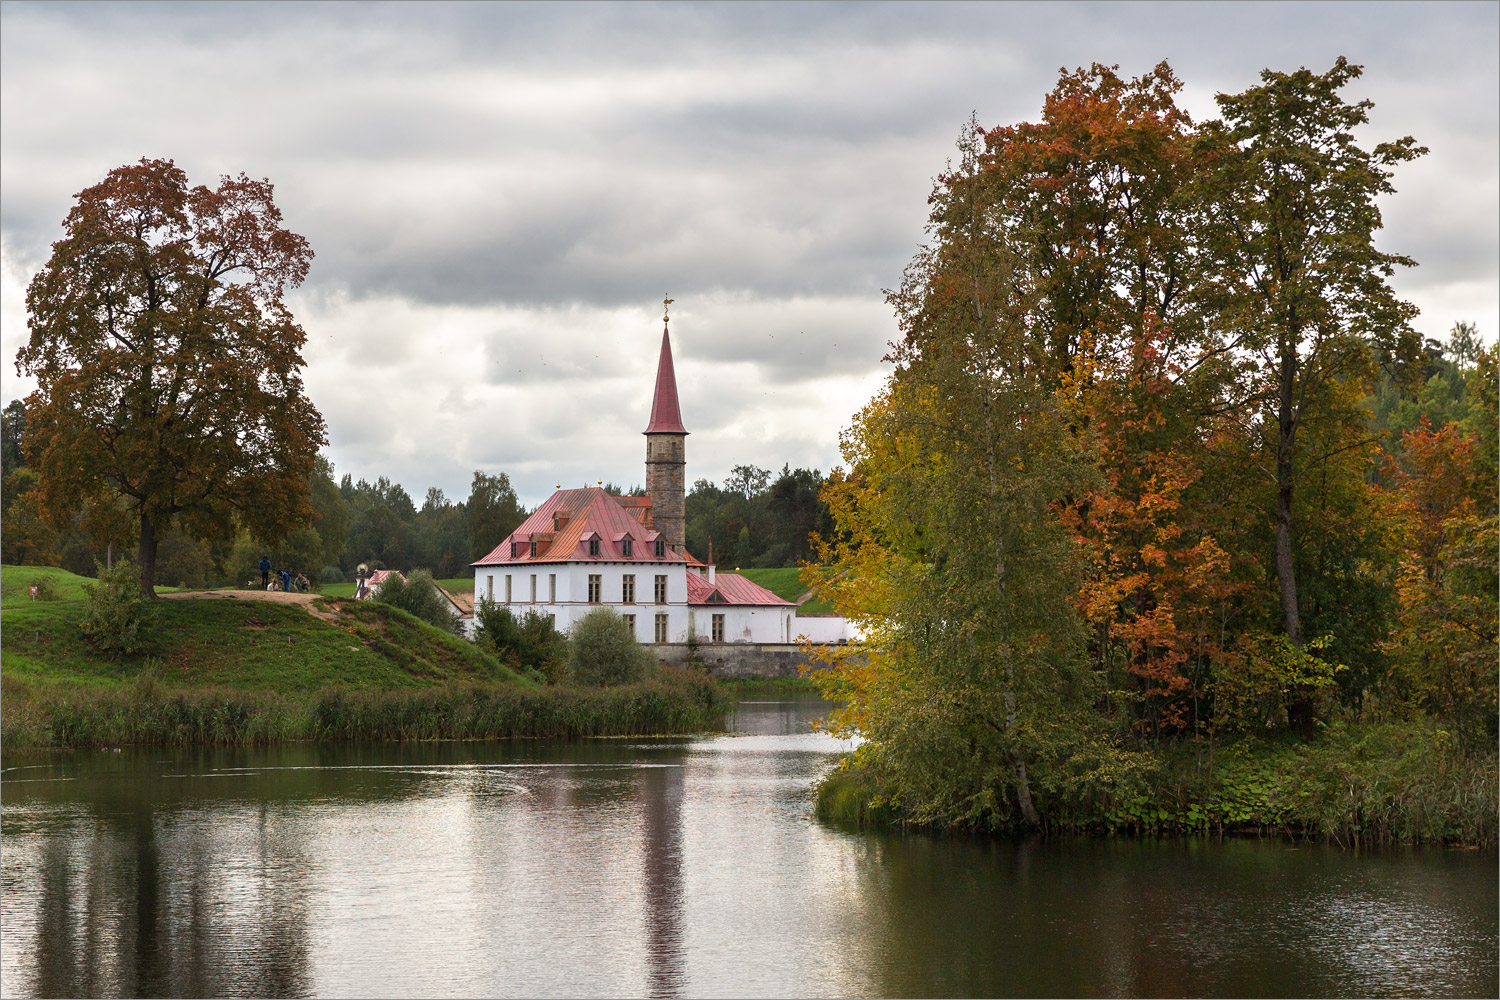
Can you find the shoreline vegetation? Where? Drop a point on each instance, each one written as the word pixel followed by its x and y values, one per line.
pixel 220 671
pixel 1358 785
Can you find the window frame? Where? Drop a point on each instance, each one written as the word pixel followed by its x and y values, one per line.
pixel 596 588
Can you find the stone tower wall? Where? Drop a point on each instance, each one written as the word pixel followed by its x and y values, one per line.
pixel 666 485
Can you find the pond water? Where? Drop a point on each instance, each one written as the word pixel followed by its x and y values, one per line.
pixel 665 867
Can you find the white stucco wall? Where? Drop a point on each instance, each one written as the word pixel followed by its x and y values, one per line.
pixel 572 592
pixel 742 623
pixel 821 628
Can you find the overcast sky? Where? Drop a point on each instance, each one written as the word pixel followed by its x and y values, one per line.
pixel 499 196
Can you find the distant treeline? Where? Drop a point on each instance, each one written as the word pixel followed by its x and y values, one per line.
pixel 751 520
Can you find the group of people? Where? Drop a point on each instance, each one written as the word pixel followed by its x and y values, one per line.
pixel 282 579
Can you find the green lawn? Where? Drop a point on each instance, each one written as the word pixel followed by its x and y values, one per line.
pixel 16 581
pixel 344 591
pixel 250 645
pixel 786 583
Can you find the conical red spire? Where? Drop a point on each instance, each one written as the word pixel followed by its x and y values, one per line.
pixel 666 416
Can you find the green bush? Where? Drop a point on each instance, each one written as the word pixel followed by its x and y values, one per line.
pixel 418 596
pixel 116 613
pixel 46 589
pixel 529 643
pixel 332 574
pixel 602 651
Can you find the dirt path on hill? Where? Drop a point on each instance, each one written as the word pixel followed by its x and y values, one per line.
pixel 273 596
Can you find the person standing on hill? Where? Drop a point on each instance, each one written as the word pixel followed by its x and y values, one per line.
pixel 265 572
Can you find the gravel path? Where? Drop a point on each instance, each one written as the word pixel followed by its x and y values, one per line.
pixel 273 596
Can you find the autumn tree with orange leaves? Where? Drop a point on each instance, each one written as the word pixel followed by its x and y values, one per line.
pixel 168 366
pixel 1171 333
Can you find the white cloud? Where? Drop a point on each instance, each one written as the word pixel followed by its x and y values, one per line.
pixel 499 194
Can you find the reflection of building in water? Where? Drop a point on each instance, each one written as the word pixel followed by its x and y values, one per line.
pixel 662 875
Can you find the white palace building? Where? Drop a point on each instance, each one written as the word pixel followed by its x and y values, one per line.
pixel 584 549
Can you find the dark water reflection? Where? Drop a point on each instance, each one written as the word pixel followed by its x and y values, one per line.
pixel 662 868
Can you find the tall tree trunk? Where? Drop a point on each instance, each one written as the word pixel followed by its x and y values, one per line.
pixel 146 555
pixel 1300 713
pixel 1018 767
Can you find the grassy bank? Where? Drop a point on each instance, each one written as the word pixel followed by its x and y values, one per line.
pixel 1366 784
pixel 769 685
pixel 224 671
pixel 250 645
pixel 57 585
pixel 458 585
pixel 786 583
pixel 146 712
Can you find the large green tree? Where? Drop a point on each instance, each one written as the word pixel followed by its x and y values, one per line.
pixel 168 366
pixel 1294 244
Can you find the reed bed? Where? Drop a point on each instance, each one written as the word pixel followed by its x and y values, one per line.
pixel 146 713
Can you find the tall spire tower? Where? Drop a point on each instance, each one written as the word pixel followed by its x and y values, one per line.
pixel 666 448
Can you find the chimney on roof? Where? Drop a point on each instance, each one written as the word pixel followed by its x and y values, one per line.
pixel 666 450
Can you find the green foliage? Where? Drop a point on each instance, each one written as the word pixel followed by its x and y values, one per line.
pixel 148 711
pixel 16 581
pixel 529 643
pixel 117 617
pixel 332 574
pixel 603 652
pixel 756 519
pixel 417 595
pixel 492 512
pixel 1373 784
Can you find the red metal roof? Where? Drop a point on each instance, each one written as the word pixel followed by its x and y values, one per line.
pixel 666 416
pixel 561 524
pixel 730 588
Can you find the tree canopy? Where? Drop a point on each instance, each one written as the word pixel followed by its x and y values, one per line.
pixel 1160 456
pixel 168 366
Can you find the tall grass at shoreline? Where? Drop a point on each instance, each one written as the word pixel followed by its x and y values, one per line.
pixel 146 713
pixel 1357 785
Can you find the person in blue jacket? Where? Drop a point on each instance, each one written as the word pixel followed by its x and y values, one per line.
pixel 265 572
pixel 286 581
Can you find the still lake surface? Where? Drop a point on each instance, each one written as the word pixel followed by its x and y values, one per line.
pixel 686 867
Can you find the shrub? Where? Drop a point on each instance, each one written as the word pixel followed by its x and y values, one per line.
pixel 46 589
pixel 332 574
pixel 602 651
pixel 418 596
pixel 529 643
pixel 116 613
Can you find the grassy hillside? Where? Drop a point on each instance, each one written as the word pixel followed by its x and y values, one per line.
pixel 459 585
pixel 16 581
pixel 786 583
pixel 252 646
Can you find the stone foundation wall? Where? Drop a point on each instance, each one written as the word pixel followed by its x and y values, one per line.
pixel 738 659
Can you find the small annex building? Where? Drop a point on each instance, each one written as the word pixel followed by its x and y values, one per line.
pixel 585 548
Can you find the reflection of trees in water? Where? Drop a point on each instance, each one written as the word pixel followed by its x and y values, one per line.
pixel 152 900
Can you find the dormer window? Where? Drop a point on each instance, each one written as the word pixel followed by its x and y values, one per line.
pixel 627 547
pixel 593 548
pixel 515 548
pixel 533 548
pixel 661 548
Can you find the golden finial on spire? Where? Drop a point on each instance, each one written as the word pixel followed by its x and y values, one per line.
pixel 666 310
